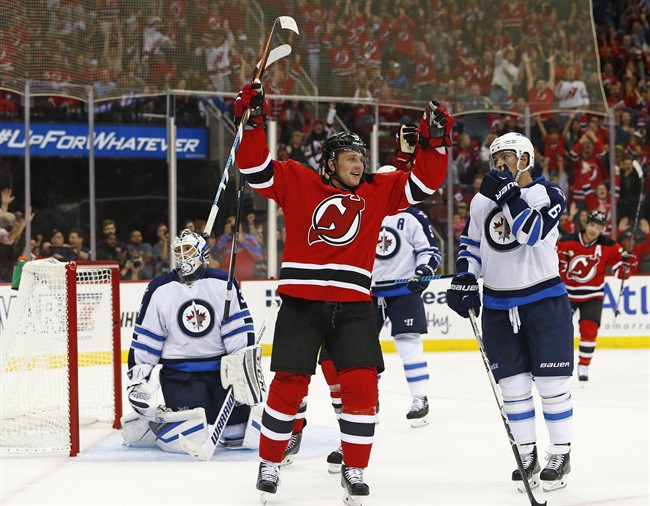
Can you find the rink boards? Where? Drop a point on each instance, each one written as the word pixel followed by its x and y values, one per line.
pixel 447 330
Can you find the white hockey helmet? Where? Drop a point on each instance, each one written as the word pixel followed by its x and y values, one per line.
pixel 190 252
pixel 518 144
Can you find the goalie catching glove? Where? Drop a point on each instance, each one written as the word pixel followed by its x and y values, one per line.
pixel 435 126
pixel 252 97
pixel 242 371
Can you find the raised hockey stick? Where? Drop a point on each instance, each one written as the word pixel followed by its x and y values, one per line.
pixel 233 248
pixel 205 451
pixel 639 171
pixel 286 23
pixel 390 282
pixel 504 416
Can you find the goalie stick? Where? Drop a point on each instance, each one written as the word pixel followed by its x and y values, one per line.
pixel 504 417
pixel 206 451
pixel 390 282
pixel 639 171
pixel 268 57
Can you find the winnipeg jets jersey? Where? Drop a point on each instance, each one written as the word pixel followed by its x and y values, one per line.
pixel 405 241
pixel 179 325
pixel 514 248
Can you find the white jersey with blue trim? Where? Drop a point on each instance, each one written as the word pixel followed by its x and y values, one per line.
pixel 405 241
pixel 179 325
pixel 514 248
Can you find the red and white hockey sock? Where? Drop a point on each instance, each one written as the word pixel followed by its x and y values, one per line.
pixel 286 395
pixel 332 379
pixel 588 336
pixel 359 395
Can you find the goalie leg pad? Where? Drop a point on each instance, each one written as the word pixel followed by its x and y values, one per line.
pixel 243 371
pixel 191 423
pixel 253 428
pixel 136 432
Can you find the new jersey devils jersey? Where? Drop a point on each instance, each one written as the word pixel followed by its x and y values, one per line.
pixel 331 233
pixel 586 265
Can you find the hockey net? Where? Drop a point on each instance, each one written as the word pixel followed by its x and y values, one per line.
pixel 60 356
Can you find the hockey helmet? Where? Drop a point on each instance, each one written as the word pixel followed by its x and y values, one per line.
pixel 342 141
pixel 519 144
pixel 190 252
pixel 597 217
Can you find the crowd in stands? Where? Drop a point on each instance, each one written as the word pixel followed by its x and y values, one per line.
pixel 486 61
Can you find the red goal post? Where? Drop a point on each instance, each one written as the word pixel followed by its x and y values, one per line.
pixel 60 356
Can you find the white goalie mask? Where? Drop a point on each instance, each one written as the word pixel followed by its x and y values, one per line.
pixel 190 252
pixel 518 144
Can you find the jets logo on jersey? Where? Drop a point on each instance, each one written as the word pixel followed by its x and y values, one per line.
pixel 388 243
pixel 498 233
pixel 336 220
pixel 583 268
pixel 196 318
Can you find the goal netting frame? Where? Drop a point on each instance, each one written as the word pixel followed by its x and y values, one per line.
pixel 60 356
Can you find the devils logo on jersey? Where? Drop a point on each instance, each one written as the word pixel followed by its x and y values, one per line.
pixel 583 268
pixel 196 318
pixel 336 220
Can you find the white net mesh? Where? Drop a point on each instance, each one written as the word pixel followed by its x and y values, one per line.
pixel 34 356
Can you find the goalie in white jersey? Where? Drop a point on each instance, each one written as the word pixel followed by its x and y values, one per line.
pixel 510 240
pixel 179 327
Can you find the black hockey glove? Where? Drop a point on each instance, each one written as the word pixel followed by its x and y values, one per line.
pixel 499 186
pixel 435 126
pixel 418 286
pixel 463 295
pixel 406 140
pixel 251 96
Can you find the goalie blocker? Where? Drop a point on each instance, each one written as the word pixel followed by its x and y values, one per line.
pixel 242 371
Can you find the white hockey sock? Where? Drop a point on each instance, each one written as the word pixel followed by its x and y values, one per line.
pixel 557 405
pixel 519 407
pixel 416 370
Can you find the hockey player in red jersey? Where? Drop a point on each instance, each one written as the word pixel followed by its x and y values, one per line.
pixel 332 220
pixel 584 259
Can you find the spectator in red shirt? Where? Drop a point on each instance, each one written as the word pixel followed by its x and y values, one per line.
pixel 587 156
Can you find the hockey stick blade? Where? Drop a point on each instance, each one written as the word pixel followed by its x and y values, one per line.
pixel 288 23
pixel 502 410
pixel 638 168
pixel 276 54
pixel 206 450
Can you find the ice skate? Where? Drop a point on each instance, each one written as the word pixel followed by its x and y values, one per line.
pixel 335 460
pixel 268 479
pixel 354 488
pixel 583 372
pixel 554 475
pixel 292 449
pixel 531 468
pixel 418 414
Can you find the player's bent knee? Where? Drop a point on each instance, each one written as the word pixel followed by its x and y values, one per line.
pixel 515 387
pixel 359 390
pixel 553 386
pixel 588 330
pixel 136 432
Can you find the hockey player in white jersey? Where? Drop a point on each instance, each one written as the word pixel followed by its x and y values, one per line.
pixel 510 240
pixel 406 248
pixel 179 327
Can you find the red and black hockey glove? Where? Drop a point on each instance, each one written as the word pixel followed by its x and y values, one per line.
pixel 406 140
pixel 435 126
pixel 251 96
